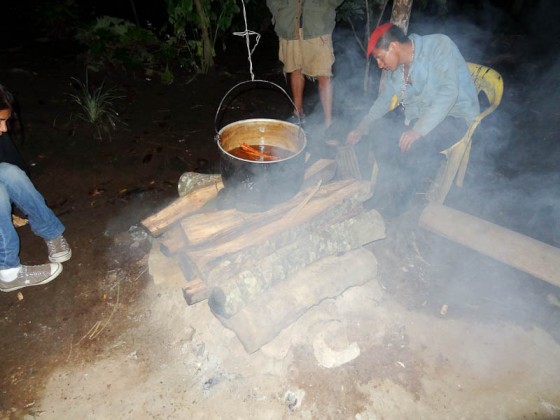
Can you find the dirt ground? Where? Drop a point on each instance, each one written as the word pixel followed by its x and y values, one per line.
pixel 442 332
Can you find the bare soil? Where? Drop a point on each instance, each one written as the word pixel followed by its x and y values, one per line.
pixel 443 332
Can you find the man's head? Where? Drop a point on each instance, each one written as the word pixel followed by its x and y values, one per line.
pixel 385 44
pixel 6 108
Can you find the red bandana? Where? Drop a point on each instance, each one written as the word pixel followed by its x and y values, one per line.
pixel 375 35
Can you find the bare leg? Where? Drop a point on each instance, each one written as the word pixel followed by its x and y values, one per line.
pixel 297 82
pixel 326 95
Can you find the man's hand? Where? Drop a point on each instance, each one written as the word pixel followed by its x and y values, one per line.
pixel 407 140
pixel 354 136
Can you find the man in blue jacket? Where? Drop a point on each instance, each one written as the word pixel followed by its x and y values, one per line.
pixel 305 29
pixel 437 102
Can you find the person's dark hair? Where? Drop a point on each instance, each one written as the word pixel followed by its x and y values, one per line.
pixel 6 99
pixel 8 150
pixel 394 33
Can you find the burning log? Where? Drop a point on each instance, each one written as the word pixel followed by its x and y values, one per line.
pixel 343 195
pixel 212 226
pixel 260 321
pixel 333 239
pixel 198 191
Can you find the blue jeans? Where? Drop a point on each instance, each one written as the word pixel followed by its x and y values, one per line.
pixel 16 188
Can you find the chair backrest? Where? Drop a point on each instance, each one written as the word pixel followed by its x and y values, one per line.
pixel 490 82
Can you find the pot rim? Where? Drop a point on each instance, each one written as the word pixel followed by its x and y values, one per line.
pixel 233 124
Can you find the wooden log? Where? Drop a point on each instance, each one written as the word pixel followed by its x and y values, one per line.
pixel 354 191
pixel 262 320
pixel 220 224
pixel 191 181
pixel 333 239
pixel 222 269
pixel 522 252
pixel 195 291
pixel 172 241
pixel 196 190
pixel 188 270
pixel 157 223
pixel 321 170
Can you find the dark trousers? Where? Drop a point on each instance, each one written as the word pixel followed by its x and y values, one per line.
pixel 404 177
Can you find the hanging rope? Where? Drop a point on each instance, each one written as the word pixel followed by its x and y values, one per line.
pixel 247 33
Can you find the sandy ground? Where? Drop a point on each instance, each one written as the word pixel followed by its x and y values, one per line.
pixel 384 362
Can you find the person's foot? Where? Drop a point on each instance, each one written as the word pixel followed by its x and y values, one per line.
pixel 32 275
pixel 295 119
pixel 332 136
pixel 59 250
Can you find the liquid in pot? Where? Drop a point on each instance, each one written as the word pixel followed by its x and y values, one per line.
pixel 260 152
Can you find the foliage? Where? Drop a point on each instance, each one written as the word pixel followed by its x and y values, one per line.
pixel 187 41
pixel 57 18
pixel 96 106
pixel 196 26
pixel 118 43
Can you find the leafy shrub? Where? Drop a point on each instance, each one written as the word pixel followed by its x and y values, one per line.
pixel 118 43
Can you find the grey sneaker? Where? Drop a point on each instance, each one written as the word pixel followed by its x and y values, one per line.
pixel 59 250
pixel 32 275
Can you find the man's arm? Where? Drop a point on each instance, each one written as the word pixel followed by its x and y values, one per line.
pixel 379 108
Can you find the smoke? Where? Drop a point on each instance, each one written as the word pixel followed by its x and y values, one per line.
pixel 513 174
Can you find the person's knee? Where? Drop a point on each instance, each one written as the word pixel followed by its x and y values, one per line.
pixel 5 202
pixel 11 174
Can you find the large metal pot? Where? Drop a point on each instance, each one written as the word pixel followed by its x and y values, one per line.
pixel 252 182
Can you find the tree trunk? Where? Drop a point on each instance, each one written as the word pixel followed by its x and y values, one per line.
pixel 400 15
pixel 207 58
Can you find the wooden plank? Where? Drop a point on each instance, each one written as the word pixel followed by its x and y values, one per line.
pixel 172 241
pixel 157 223
pixel 216 225
pixel 321 170
pixel 522 252
pixel 197 198
pixel 352 191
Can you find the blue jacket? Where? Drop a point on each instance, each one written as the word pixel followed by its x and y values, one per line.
pixel 318 17
pixel 441 86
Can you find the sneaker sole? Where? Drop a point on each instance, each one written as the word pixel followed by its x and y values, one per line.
pixel 62 258
pixel 47 280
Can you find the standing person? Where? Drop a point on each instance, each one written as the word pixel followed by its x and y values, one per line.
pixel 17 188
pixel 438 101
pixel 304 28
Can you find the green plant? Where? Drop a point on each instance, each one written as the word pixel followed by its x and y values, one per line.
pixel 56 19
pixel 96 106
pixel 117 43
pixel 198 24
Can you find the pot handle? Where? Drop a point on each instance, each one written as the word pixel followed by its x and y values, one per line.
pixel 216 137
